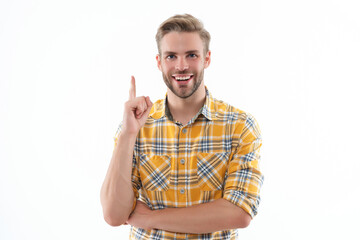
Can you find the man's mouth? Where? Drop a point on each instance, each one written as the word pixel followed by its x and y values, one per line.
pixel 182 77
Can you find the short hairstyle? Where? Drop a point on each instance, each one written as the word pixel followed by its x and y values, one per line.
pixel 183 23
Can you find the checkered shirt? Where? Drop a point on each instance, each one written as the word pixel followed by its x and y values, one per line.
pixel 215 155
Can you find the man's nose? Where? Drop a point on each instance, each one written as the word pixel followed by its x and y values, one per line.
pixel 181 64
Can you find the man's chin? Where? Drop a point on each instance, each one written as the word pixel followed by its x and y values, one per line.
pixel 184 93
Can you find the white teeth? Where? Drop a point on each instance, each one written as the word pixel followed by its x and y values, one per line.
pixel 182 78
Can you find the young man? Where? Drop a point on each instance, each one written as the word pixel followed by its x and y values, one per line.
pixel 185 167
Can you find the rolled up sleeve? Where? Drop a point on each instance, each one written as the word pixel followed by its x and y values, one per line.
pixel 244 179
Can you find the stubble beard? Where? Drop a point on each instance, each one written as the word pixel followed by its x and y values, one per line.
pixel 182 93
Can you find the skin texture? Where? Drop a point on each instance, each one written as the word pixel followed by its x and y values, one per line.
pixel 182 61
pixel 117 196
pixel 182 55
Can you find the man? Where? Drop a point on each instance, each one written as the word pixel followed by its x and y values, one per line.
pixel 185 167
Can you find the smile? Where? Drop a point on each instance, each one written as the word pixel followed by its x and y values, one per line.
pixel 182 77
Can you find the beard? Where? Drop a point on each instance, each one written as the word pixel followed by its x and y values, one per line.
pixel 183 91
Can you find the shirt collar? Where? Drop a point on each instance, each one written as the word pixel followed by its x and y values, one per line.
pixel 160 110
pixel 209 109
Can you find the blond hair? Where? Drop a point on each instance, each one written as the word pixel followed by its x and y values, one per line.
pixel 183 23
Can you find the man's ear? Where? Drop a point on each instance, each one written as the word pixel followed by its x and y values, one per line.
pixel 158 60
pixel 207 59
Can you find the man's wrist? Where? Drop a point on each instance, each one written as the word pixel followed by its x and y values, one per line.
pixel 125 135
pixel 152 219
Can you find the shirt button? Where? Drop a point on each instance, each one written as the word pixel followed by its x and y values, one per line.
pixel 182 161
pixel 182 191
pixel 184 130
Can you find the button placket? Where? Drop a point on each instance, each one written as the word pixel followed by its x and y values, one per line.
pixel 181 188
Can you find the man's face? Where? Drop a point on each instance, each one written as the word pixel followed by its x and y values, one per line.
pixel 182 62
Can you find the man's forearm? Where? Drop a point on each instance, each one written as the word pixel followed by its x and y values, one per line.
pixel 117 196
pixel 203 218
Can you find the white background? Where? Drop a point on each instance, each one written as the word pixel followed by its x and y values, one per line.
pixel 65 68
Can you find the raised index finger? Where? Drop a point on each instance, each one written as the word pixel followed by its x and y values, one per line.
pixel 132 91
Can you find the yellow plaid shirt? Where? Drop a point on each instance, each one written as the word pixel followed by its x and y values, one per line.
pixel 215 155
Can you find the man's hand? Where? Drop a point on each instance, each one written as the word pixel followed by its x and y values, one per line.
pixel 136 111
pixel 141 216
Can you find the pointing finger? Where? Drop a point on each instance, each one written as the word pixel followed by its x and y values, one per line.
pixel 132 91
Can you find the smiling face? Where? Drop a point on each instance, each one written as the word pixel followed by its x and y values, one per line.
pixel 182 62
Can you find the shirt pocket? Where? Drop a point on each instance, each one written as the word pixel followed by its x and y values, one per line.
pixel 155 172
pixel 211 170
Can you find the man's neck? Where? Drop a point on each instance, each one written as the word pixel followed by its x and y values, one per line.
pixel 184 109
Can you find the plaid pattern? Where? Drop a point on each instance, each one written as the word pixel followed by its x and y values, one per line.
pixel 215 155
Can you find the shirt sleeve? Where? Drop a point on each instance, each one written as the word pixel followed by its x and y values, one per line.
pixel 135 175
pixel 244 179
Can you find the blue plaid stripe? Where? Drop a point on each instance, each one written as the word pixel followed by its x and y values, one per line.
pixel 158 180
pixel 211 169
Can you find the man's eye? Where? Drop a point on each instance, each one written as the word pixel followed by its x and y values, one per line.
pixel 192 55
pixel 171 57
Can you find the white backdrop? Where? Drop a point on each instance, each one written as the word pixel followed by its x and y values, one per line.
pixel 65 69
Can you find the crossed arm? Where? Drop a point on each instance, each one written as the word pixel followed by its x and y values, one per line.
pixel 203 218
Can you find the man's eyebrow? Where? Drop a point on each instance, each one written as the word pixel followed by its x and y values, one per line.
pixel 193 51
pixel 187 52
pixel 169 53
